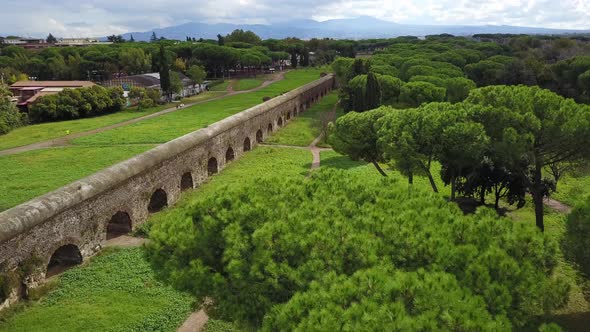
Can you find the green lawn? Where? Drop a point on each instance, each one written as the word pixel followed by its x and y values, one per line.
pixel 305 127
pixel 248 84
pixel 573 189
pixel 46 131
pixel 220 86
pixel 27 175
pixel 169 126
pixel 117 291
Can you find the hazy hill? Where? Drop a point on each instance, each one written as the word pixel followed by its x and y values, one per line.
pixel 356 28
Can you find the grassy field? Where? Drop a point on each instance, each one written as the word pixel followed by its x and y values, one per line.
pixel 305 127
pixel 573 189
pixel 248 84
pixel 169 126
pixel 27 175
pixel 220 86
pixel 46 131
pixel 117 291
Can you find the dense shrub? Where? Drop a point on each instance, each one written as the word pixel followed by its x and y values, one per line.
pixel 10 117
pixel 576 242
pixel 295 248
pixel 72 104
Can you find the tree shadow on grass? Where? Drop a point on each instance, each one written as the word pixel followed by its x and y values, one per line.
pixel 341 162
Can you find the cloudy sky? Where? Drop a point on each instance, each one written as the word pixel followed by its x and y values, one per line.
pixel 77 18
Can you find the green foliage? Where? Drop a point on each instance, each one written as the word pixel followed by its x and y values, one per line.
pixel 165 81
pixel 77 103
pixel 10 117
pixel 417 93
pixel 576 242
pixel 392 300
pixel 373 93
pixel 197 74
pixel 458 88
pixel 355 135
pixel 302 243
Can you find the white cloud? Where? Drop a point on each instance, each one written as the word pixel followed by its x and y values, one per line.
pixel 99 18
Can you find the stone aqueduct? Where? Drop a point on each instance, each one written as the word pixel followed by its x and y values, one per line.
pixel 73 223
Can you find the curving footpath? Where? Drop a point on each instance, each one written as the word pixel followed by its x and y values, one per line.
pixel 67 140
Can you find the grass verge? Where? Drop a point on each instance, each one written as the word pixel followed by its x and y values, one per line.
pixel 27 175
pixel 305 127
pixel 118 291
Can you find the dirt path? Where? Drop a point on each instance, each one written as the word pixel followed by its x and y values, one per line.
pixel 195 322
pixel 313 148
pixel 67 140
pixel 557 205
pixel 126 241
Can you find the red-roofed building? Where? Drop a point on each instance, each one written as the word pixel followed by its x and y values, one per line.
pixel 28 91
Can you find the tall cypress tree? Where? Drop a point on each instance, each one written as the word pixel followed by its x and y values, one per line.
pixel 373 95
pixel 165 84
pixel 358 103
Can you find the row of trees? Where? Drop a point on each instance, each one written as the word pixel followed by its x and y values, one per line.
pixel 341 251
pixel 502 140
pixel 72 104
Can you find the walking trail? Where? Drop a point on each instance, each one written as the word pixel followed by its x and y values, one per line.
pixel 67 140
pixel 313 148
pixel 557 205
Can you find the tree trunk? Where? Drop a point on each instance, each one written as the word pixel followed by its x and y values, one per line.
pixel 376 164
pixel 497 203
pixel 410 178
pixel 482 195
pixel 430 178
pixel 453 187
pixel 538 195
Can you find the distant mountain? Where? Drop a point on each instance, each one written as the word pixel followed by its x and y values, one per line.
pixel 355 28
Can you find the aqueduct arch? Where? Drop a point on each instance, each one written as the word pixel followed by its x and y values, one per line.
pixel 62 259
pixel 269 130
pixel 120 224
pixel 158 201
pixel 259 136
pixel 247 145
pixel 186 181
pixel 280 122
pixel 229 155
pixel 212 167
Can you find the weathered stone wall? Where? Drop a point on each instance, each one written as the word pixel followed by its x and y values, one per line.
pixel 79 213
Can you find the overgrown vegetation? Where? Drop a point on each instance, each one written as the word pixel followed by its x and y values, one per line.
pixel 117 291
pixel 257 250
pixel 10 117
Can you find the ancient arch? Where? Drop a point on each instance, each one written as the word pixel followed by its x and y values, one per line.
pixel 62 259
pixel 212 167
pixel 229 155
pixel 280 122
pixel 186 181
pixel 288 115
pixel 258 136
pixel 158 201
pixel 269 128
pixel 247 145
pixel 120 224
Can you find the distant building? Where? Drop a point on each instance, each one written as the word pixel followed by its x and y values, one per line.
pixel 25 42
pixel 152 81
pixel 37 43
pixel 28 92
